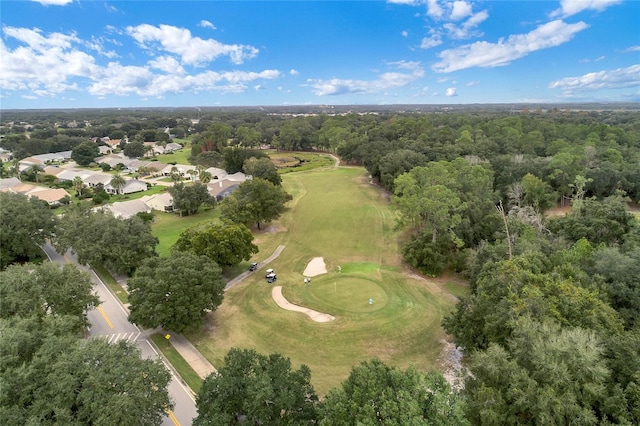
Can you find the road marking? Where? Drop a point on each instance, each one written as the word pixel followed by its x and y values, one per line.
pixel 104 315
pixel 173 418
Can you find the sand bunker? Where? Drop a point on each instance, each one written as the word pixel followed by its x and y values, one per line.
pixel 315 267
pixel 276 293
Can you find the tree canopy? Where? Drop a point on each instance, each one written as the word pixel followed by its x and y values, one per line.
pixel 255 201
pixel 50 376
pixel 100 238
pixel 257 389
pixel 25 223
pixel 226 243
pixel 85 153
pixel 46 289
pixel 375 393
pixel 262 168
pixel 175 292
pixel 187 199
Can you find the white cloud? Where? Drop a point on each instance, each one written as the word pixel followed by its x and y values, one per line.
pixel 42 64
pixel 485 55
pixel 49 64
pixel 611 79
pixel 192 50
pixel 404 65
pixel 125 80
pixel 53 2
pixel 167 64
pixel 632 49
pixel 409 2
pixel 384 82
pixel 473 83
pixel 433 9
pixel 466 30
pixel 294 72
pixel 434 39
pixel 573 7
pixel 460 10
pixel 404 33
pixel 206 24
pixel 451 91
pixel 97 44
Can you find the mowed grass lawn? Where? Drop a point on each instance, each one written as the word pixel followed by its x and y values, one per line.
pixel 338 215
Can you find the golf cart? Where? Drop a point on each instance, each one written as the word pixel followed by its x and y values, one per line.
pixel 253 266
pixel 269 272
pixel 271 277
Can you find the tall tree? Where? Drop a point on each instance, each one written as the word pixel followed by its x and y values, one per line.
pixel 175 292
pixel 225 243
pixel 187 199
pixel 134 149
pixel 255 201
pixel 545 374
pixel 427 197
pixel 375 393
pixel 118 182
pixel 85 153
pixel 262 168
pixel 46 289
pixel 75 382
pixel 99 238
pixel 257 389
pixel 25 223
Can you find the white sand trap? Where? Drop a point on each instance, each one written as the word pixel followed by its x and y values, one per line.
pixel 315 267
pixel 276 293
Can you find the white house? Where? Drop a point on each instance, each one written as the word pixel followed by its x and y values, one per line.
pixel 162 202
pixel 126 209
pixel 131 186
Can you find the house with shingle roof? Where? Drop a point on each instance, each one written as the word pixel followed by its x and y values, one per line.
pixel 125 209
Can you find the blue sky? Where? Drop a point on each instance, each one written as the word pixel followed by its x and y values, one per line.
pixel 78 53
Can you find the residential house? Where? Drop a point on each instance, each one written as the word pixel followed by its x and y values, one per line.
pixel 95 179
pixel 216 173
pixel 125 209
pixel 172 147
pixel 221 189
pixel 50 196
pixel 162 202
pixel 131 186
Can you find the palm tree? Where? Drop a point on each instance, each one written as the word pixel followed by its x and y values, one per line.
pixel 15 166
pixel 192 174
pixel 117 182
pixel 203 175
pixel 78 185
pixel 175 174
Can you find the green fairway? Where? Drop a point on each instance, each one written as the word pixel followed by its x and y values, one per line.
pixel 338 215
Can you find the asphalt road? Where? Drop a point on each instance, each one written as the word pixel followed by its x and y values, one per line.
pixel 109 322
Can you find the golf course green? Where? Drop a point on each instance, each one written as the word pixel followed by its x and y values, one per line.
pixel 380 307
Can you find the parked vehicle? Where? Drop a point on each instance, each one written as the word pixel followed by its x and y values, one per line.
pixel 268 272
pixel 253 266
pixel 271 277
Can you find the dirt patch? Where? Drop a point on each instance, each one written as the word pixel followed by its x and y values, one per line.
pixel 315 267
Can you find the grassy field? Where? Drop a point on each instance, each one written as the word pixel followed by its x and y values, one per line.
pixel 336 214
pixel 167 227
pixel 179 157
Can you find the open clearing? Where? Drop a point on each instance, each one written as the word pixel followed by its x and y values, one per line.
pixel 379 308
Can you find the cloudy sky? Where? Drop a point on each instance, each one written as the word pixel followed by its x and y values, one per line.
pixel 80 53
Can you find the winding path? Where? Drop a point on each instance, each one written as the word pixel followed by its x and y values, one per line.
pixel 245 274
pixel 276 293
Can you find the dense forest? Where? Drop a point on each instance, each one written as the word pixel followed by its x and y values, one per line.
pixel 550 330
